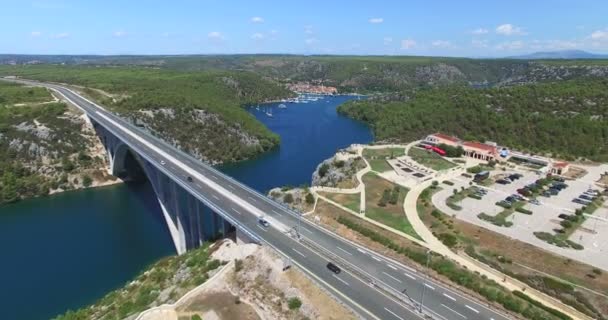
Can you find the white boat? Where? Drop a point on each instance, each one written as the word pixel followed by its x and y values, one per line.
pixel 282 106
pixel 269 112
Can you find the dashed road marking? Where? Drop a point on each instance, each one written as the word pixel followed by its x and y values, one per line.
pixel 449 297
pixel 298 252
pixel 344 251
pixel 376 258
pixel 391 266
pixel 215 197
pixel 264 229
pixel 233 209
pixel 346 283
pixel 231 187
pixel 409 276
pixel 456 312
pixel 277 212
pixel 252 199
pixel 471 308
pixel 306 229
pixel 361 250
pixel 429 286
pixel 394 314
pixel 214 177
pixel 392 277
pixel 199 185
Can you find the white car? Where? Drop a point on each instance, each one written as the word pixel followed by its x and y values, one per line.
pixel 162 162
pixel 263 222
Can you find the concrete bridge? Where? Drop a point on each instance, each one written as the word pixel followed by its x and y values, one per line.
pixel 199 203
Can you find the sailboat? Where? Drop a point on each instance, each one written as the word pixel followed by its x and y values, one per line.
pixel 282 106
pixel 269 112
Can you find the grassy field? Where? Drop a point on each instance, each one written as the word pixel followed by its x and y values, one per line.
pixel 391 215
pixel 430 159
pixel 350 201
pixel 377 157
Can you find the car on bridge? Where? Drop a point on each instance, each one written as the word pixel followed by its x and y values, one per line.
pixel 334 268
pixel 263 222
pixel 189 178
pixel 162 162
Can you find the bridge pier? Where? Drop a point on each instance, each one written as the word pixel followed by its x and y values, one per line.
pixel 188 220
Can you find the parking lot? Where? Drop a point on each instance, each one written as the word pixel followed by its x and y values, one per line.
pixel 592 234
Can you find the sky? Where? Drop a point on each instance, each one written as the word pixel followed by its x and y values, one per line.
pixel 470 28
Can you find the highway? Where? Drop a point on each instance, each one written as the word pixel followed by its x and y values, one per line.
pixel 369 283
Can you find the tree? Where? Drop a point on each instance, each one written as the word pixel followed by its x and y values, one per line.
pixel 288 198
pixel 435 184
pixel 310 199
pixel 87 181
pixel 294 303
pixel 323 170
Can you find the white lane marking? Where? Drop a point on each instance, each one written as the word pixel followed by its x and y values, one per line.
pixel 305 229
pixel 215 197
pixel 264 229
pixel 231 187
pixel 410 269
pixel 344 251
pixel 277 212
pixel 199 185
pixel 375 258
pixel 361 250
pixel 456 312
pixel 252 199
pixel 428 286
pixel 409 276
pixel 471 308
pixel 391 266
pixel 449 297
pixel 214 177
pixel 346 283
pixel 392 277
pixel 233 209
pixel 394 314
pixel 298 252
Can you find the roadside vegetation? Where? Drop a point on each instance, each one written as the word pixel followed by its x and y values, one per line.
pixel 349 200
pixel 164 282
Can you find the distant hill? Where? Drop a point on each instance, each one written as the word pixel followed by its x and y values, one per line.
pixel 563 54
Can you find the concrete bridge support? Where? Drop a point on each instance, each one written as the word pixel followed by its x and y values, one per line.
pixel 189 221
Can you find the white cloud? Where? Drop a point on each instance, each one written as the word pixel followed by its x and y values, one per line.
pixel 441 44
pixel 35 33
pixel 215 36
pixel 308 29
pixel 599 35
pixel 257 36
pixel 257 19
pixel 119 34
pixel 311 41
pixel 388 40
pixel 510 45
pixel 477 43
pixel 508 29
pixel 62 35
pixel 407 44
pixel 376 20
pixel 479 31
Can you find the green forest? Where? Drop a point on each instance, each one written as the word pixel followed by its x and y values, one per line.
pixel 568 118
pixel 225 131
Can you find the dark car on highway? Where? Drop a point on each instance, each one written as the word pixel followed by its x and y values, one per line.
pixel 334 268
pixel 189 178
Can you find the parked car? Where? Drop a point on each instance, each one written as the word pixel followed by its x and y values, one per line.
pixel 334 268
pixel 502 181
pixel 546 194
pixel 563 216
pixel 510 199
pixel 535 202
pixel 586 197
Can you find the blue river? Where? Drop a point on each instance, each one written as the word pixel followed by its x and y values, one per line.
pixel 68 250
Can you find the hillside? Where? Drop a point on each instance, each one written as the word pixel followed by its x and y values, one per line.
pixel 46 146
pixel 356 73
pixel 569 118
pixel 199 112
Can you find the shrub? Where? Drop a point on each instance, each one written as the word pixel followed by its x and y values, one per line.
pixel 87 181
pixel 523 210
pixel 196 317
pixel 294 303
pixel 448 239
pixel 288 198
pixel 448 182
pixel 238 265
pixel 323 170
pixel 310 199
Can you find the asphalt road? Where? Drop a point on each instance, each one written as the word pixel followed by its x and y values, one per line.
pixel 242 206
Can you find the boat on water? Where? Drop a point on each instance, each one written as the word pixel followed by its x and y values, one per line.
pixel 282 106
pixel 269 112
pixel 258 107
